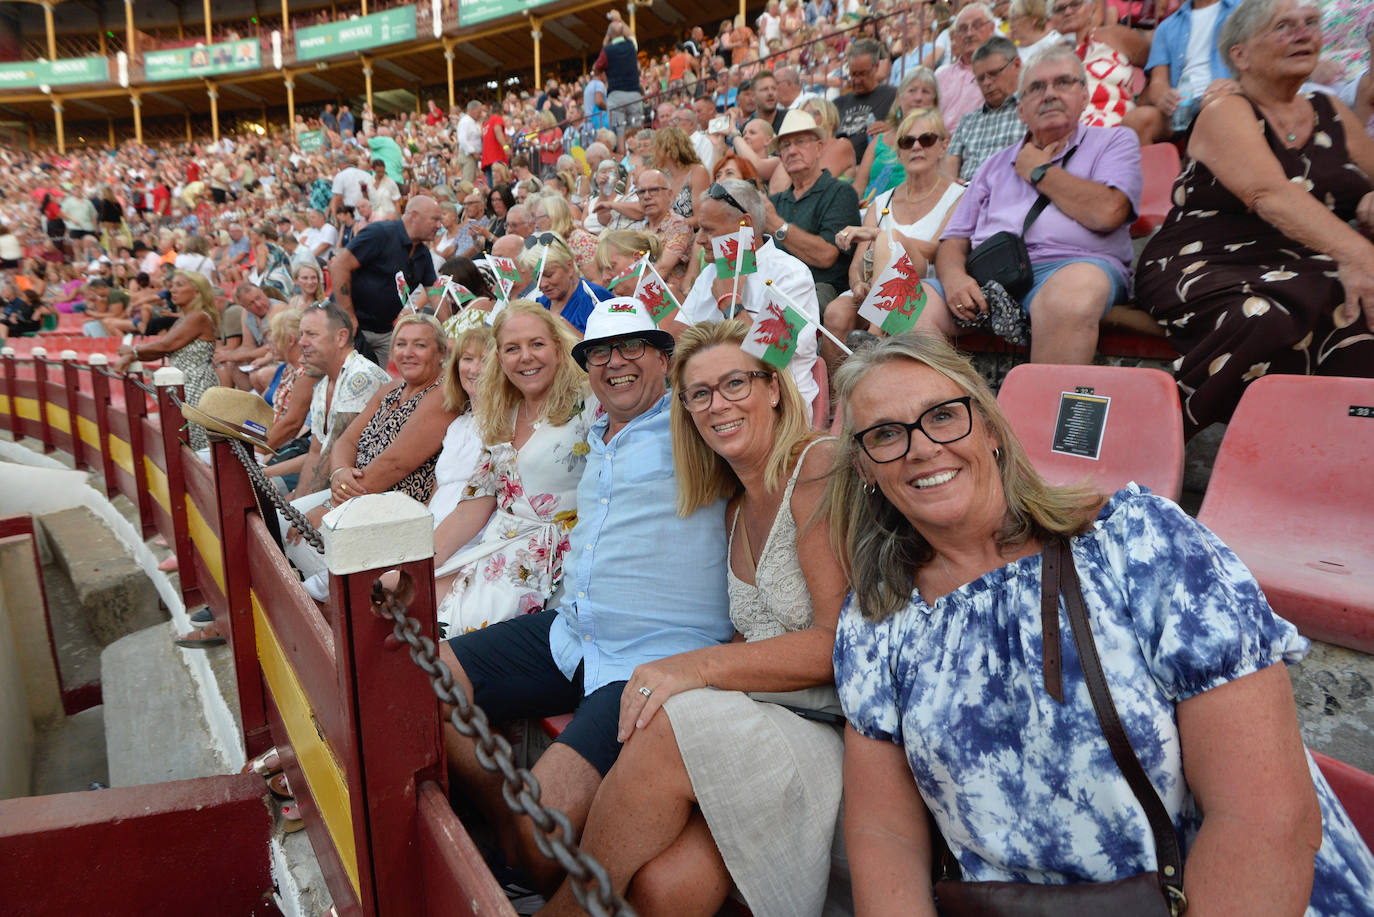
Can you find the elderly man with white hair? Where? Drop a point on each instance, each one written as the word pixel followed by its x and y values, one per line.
pixel 959 92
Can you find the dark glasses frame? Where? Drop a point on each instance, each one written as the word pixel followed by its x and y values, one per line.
pixel 926 140
pixel 966 401
pixel 717 192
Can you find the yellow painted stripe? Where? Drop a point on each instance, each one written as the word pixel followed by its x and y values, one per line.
pixel 90 433
pixel 59 418
pixel 27 408
pixel 206 542
pixel 316 758
pixel 157 484
pixel 121 453
pixel 4 405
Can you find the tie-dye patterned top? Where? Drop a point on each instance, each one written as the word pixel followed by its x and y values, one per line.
pixel 1024 788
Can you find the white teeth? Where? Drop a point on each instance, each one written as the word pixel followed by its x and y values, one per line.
pixel 622 380
pixel 727 427
pixel 528 372
pixel 935 479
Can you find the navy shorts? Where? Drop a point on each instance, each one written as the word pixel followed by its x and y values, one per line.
pixel 514 677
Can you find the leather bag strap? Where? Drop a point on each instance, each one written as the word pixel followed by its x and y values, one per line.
pixel 1043 200
pixel 1170 860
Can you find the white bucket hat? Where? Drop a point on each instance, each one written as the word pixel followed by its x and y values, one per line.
pixel 616 319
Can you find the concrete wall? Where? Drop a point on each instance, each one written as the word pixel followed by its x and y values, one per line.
pixel 17 734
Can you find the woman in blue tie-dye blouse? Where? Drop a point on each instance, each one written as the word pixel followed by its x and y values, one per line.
pixel 939 669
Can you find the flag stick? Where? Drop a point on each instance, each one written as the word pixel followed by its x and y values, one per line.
pixel 787 300
pixel 739 259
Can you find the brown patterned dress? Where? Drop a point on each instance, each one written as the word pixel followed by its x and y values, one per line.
pixel 1239 298
pixel 383 429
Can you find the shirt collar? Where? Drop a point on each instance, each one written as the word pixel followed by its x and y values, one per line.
pixel 1009 100
pixel 597 436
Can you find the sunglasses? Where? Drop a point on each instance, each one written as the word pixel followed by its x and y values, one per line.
pixel 544 238
pixel 926 140
pixel 717 192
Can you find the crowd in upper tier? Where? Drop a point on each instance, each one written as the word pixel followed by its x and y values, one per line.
pixel 514 313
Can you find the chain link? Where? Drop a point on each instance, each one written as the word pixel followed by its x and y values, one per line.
pixel 263 485
pixel 555 837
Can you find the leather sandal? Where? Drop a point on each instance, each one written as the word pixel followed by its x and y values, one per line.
pixel 279 787
pixel 264 765
pixel 291 817
pixel 201 638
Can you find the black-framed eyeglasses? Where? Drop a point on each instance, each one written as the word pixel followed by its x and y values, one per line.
pixel 717 192
pixel 991 75
pixel 943 423
pixel 734 386
pixel 926 140
pixel 600 354
pixel 654 190
pixel 1062 83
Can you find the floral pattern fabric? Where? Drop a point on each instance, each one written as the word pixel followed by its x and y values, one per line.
pixel 196 360
pixel 517 563
pixel 1343 35
pixel 1238 298
pixel 1024 788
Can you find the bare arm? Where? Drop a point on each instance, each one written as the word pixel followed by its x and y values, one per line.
pixel 341 268
pixel 319 474
pixel 1159 93
pixel 809 247
pixel 461 526
pixel 297 410
pixel 420 437
pixel 861 172
pixel 885 831
pixel 188 328
pixel 1099 207
pixel 1261 825
pixel 838 157
pixel 951 266
pixel 312 460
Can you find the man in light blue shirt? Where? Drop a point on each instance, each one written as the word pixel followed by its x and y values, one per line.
pixel 1184 60
pixel 624 602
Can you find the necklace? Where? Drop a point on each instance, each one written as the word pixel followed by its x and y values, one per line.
pixel 931 190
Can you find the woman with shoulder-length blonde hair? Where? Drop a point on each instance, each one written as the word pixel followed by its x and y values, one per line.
pixel 617 250
pixel 462 441
pixel 675 157
pixel 961 709
pixel 740 776
pixel 562 288
pixel 533 414
pixel 561 219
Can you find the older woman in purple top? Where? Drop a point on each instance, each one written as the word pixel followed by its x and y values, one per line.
pixel 1080 246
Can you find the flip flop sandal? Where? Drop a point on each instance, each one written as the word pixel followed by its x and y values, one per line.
pixel 279 787
pixel 291 821
pixel 264 765
pixel 201 638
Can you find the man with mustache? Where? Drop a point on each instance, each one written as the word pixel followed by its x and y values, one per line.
pixel 1079 246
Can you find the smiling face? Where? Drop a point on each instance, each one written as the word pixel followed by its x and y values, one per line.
pixel 416 354
pixel 470 363
pixel 627 388
pixel 308 279
pixel 529 355
pixel 741 432
pixel 948 487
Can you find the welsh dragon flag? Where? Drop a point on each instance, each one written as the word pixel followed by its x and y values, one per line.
pixel 630 275
pixel 776 333
pixel 897 298
pixel 653 292
pixel 507 274
pixel 734 253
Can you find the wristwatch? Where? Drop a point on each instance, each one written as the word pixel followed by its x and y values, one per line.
pixel 780 234
pixel 1038 173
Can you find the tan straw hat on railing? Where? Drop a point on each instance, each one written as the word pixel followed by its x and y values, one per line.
pixel 232 413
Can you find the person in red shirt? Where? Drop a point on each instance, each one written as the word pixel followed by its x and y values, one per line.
pixel 434 115
pixel 192 171
pixel 495 144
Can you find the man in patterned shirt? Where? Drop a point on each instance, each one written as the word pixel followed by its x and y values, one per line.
pixel 995 126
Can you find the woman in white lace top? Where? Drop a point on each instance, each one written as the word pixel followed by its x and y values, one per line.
pixel 726 787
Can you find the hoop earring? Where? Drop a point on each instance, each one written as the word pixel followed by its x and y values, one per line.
pixel 869 488
pixel 996 454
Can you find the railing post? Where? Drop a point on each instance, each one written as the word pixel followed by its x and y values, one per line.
pixel 40 377
pixel 7 358
pixel 171 381
pixel 235 500
pixel 136 407
pixel 100 395
pixel 72 383
pixel 396 711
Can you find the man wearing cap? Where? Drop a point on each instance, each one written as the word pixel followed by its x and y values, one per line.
pixel 803 219
pixel 623 605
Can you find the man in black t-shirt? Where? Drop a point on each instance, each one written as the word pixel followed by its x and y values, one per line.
pixel 867 100
pixel 364 273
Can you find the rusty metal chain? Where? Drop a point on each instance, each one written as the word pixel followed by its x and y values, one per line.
pixel 263 485
pixel 555 837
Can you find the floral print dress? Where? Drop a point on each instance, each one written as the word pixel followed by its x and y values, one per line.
pixel 1024 788
pixel 1238 298
pixel 517 563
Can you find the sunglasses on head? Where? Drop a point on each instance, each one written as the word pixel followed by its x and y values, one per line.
pixel 543 238
pixel 926 140
pixel 717 192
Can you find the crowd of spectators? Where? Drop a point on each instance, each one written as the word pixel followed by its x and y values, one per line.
pixel 437 304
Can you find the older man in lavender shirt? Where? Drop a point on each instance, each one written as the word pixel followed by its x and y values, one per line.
pixel 1080 246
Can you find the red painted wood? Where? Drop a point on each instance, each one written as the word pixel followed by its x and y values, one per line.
pixel 456 879
pixel 40 375
pixel 185 847
pixel 136 408
pixel 56 394
pixel 7 365
pixel 176 455
pixel 100 410
pixel 71 377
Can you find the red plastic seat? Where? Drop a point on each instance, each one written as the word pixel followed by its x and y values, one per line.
pixel 1159 166
pixel 1290 493
pixel 1142 440
pixel 554 725
pixel 1355 789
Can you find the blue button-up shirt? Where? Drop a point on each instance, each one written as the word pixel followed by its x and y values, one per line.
pixel 1170 44
pixel 640 582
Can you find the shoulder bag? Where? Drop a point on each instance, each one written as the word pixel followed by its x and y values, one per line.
pixel 1148 894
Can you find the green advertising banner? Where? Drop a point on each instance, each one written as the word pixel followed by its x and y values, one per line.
pixel 384 28
pixel 31 74
pixel 310 141
pixel 471 12
pixel 204 60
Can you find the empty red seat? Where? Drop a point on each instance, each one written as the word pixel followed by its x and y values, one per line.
pixel 1355 789
pixel 1290 493
pixel 1054 409
pixel 1159 165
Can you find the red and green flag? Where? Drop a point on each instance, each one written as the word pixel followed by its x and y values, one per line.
pixel 507 275
pixel 628 276
pixel 735 253
pixel 897 298
pixel 654 293
pixel 776 333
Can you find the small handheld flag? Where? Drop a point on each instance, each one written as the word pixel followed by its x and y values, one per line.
pixel 653 291
pixel 631 274
pixel 402 288
pixel 507 274
pixel 897 298
pixel 775 334
pixel 734 253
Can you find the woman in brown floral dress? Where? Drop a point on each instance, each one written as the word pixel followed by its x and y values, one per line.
pixel 1257 269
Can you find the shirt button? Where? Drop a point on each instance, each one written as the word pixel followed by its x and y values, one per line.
pixel 582 595
pixel 587 548
pixel 587 638
pixel 603 500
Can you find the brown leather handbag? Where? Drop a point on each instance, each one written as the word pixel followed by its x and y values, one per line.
pixel 1149 894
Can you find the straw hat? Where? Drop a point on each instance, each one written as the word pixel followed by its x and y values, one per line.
pixel 798 122
pixel 229 412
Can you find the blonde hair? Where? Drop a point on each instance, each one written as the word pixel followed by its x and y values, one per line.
pixel 879 547
pixel 283 327
pixel 930 116
pixel 703 477
pixel 455 396
pixel 496 408
pixel 825 113
pixel 559 213
pixel 671 144
pixel 430 322
pixel 559 252
pixel 626 242
pixel 205 294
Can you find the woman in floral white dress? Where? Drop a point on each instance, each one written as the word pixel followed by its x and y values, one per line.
pixel 533 416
